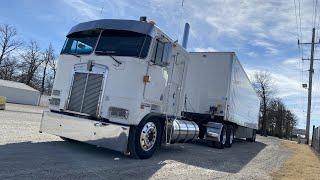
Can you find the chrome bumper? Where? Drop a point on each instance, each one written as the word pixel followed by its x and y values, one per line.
pixel 106 135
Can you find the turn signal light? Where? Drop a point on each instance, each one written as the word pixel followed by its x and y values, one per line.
pixel 146 78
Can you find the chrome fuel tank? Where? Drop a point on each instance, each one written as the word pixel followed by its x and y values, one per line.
pixel 181 131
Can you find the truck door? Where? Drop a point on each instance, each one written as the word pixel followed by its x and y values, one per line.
pixel 158 72
pixel 174 92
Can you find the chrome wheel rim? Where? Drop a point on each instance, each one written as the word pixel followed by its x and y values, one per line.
pixel 148 136
pixel 231 136
pixel 224 137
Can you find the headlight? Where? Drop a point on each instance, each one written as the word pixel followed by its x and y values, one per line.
pixel 56 92
pixel 118 112
pixel 54 101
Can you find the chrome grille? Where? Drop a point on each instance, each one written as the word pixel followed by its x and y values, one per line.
pixel 85 93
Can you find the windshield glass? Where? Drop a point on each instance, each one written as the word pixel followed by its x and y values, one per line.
pixel 123 43
pixel 81 42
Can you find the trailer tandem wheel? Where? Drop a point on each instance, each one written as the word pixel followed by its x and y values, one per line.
pixel 223 138
pixel 253 138
pixel 230 136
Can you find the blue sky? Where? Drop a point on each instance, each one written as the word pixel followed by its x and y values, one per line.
pixel 262 33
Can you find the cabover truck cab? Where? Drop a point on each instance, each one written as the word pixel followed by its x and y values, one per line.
pixel 118 85
pixel 125 85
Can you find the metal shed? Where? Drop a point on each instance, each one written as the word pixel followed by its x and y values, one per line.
pixel 19 93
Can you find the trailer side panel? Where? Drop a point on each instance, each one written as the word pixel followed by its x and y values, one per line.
pixel 243 102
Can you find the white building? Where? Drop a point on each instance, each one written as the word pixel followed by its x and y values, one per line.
pixel 19 93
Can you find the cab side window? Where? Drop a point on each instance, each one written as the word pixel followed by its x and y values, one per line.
pixel 161 53
pixel 158 52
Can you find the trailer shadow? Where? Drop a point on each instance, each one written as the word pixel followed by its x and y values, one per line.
pixel 62 159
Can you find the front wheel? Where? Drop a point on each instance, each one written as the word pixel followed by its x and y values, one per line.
pixel 144 138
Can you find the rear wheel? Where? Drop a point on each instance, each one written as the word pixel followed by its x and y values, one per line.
pixel 253 138
pixel 230 136
pixel 223 138
pixel 144 139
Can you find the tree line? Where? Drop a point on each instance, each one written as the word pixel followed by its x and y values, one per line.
pixel 275 119
pixel 26 62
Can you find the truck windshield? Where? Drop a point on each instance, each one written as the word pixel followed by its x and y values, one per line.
pixel 123 43
pixel 81 42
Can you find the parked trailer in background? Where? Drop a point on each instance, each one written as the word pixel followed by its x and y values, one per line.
pixel 122 85
pixel 220 98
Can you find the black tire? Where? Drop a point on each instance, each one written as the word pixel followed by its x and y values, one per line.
pixel 222 142
pixel 253 138
pixel 230 137
pixel 254 135
pixel 135 147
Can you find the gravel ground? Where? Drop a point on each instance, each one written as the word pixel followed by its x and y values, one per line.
pixel 27 154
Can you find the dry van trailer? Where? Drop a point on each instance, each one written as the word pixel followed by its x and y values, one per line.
pixel 220 98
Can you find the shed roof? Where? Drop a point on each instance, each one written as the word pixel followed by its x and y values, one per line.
pixel 17 85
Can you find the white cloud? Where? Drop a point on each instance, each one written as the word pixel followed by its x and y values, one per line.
pixel 207 49
pixel 252 54
pixel 84 9
pixel 270 48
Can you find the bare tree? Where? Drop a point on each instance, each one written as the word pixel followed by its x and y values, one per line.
pixel 9 68
pixel 8 41
pixel 263 85
pixel 290 123
pixel 31 60
pixel 48 57
pixel 281 121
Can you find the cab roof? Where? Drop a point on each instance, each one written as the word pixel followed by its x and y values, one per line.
pixel 120 24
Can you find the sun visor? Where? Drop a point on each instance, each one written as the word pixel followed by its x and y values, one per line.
pixel 118 24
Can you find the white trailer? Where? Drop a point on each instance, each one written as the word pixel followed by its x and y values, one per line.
pixel 121 84
pixel 220 97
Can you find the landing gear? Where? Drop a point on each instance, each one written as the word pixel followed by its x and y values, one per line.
pixel 144 138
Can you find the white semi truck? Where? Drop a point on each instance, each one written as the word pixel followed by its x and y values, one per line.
pixel 125 85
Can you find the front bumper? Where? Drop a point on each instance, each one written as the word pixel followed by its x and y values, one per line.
pixel 108 135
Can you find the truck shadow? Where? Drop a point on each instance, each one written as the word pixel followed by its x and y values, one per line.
pixel 62 159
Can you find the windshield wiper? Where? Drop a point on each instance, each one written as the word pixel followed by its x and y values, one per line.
pixel 109 54
pixel 117 61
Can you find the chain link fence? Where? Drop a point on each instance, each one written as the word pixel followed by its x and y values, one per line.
pixel 315 143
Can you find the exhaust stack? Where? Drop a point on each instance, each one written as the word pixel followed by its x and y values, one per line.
pixel 185 35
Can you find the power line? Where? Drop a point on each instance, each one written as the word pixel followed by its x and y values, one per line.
pixel 315 17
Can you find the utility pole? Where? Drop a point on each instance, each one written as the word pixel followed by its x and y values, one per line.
pixel 311 71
